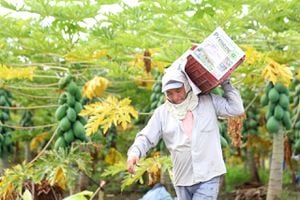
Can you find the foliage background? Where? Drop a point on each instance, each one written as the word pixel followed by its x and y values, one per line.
pixel 108 38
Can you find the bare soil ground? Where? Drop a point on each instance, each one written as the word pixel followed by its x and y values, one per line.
pixel 246 191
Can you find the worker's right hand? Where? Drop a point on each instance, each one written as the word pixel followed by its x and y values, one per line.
pixel 131 162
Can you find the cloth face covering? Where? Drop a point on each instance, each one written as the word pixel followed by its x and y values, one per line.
pixel 180 110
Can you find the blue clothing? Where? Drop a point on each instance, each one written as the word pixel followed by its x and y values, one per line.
pixel 202 191
pixel 158 192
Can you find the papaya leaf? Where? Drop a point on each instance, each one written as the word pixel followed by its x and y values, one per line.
pixel 80 196
pixel 108 113
pixel 115 169
pixel 298 74
pixel 27 195
pixel 276 72
pixel 9 73
pixel 151 166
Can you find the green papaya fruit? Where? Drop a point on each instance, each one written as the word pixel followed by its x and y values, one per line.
pixel 79 130
pixel 62 99
pixel 284 101
pixel 71 114
pixel 78 94
pixel 224 143
pixel 61 112
pixel 69 136
pixel 64 124
pixel 272 125
pixel 60 143
pixel 70 100
pixel 268 87
pixel 278 112
pixel 77 107
pixel 273 95
pixel 72 88
pixel 281 88
pixel 63 82
pixel 286 120
pixel 264 100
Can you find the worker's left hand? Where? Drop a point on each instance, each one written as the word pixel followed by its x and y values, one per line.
pixel 131 162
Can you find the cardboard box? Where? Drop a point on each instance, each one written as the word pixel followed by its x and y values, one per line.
pixel 212 61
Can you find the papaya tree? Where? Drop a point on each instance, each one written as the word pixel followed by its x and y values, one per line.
pixel 6 145
pixel 251 132
pixel 59 39
pixel 276 98
pixel 71 125
pixel 292 139
pixel 27 121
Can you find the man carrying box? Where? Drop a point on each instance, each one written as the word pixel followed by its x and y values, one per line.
pixel 188 124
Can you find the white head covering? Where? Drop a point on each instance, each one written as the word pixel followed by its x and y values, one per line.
pixel 172 85
pixel 172 77
pixel 179 64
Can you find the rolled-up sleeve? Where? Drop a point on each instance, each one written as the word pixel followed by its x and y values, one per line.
pixel 231 104
pixel 147 138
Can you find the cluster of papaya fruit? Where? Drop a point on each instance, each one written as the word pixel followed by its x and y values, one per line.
pixel 26 119
pixel 223 134
pixel 224 137
pixel 5 132
pixel 218 91
pixel 251 123
pixel 71 125
pixel 296 113
pixel 296 99
pixel 157 98
pixel 276 98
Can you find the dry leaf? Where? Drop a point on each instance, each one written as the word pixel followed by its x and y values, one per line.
pixel 235 125
pixel 38 140
pixel 95 87
pixel 59 178
pixel 113 156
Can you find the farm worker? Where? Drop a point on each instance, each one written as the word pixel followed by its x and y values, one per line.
pixel 188 125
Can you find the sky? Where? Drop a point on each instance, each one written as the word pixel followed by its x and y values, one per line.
pixel 88 23
pixel 104 8
pixel 47 21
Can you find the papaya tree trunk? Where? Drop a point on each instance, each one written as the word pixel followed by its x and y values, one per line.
pixel 17 157
pixel 27 151
pixel 4 163
pixel 288 158
pixel 252 165
pixel 276 171
pixel 262 162
pixel 164 175
pixel 82 180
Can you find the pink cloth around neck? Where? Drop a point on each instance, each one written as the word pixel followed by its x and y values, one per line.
pixel 188 124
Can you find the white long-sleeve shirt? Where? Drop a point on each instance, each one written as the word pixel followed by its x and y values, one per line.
pixel 200 158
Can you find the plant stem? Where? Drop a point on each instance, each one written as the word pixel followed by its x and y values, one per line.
pixel 27 127
pixel 44 149
pixel 28 108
